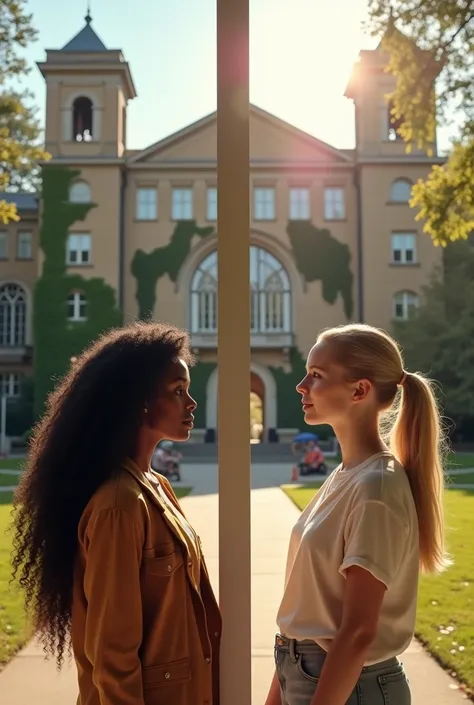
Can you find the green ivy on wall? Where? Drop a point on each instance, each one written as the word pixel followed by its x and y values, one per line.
pixel 147 268
pixel 56 338
pixel 320 257
pixel 200 374
pixel 289 411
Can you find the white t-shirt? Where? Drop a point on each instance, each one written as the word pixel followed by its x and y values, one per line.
pixel 362 516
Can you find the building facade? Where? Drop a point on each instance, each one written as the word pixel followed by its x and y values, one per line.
pixel 119 234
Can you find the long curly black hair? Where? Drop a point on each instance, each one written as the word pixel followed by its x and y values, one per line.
pixel 90 426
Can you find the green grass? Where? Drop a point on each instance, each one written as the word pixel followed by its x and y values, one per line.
pixel 467 479
pixel 459 460
pixel 15 463
pixel 14 628
pixel 446 602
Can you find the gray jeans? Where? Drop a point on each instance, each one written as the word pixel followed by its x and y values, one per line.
pixel 299 665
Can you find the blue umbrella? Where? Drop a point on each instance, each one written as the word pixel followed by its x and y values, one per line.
pixel 305 438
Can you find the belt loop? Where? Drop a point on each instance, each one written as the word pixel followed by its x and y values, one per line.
pixel 293 656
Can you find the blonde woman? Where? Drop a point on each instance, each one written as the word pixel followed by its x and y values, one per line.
pixel 349 603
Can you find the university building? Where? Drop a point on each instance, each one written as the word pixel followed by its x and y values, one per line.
pixel 118 234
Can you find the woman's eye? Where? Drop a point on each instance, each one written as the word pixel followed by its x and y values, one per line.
pixel 180 391
pixel 315 374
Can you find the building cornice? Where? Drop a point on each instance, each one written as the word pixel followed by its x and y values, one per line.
pixel 84 161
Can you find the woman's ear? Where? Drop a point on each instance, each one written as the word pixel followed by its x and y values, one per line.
pixel 361 390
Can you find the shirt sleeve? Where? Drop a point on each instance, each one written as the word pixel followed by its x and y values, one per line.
pixel 374 539
pixel 113 630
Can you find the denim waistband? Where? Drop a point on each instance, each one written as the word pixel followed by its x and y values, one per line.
pixel 294 647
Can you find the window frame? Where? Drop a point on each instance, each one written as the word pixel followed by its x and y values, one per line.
pixel 329 203
pixel 21 233
pixel 80 236
pixel 183 204
pixel 263 210
pixel 295 204
pixel 4 245
pixel 211 204
pixel 404 294
pixel 78 299
pixel 403 261
pixel 152 205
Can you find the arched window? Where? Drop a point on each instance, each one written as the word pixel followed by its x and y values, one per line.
pixel 82 120
pixel 405 304
pixel 76 306
pixel 12 315
pixel 80 192
pixel 400 191
pixel 270 296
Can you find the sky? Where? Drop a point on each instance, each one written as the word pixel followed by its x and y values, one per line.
pixel 301 55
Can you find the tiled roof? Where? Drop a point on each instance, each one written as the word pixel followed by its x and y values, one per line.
pixel 86 40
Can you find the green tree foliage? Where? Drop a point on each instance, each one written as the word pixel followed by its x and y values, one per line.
pixel 431 43
pixel 20 147
pixel 438 339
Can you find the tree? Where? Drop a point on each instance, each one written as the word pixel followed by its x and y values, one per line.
pixel 430 44
pixel 20 148
pixel 438 339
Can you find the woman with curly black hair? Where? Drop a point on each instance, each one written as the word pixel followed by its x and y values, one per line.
pixel 107 559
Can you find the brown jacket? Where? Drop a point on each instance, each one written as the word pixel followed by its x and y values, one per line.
pixel 142 632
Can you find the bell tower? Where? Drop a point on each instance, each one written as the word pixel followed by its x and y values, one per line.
pixel 369 87
pixel 87 91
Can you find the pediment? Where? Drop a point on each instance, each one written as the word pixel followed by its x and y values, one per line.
pixel 272 141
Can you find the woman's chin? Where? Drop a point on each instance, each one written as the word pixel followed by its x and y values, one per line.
pixel 311 418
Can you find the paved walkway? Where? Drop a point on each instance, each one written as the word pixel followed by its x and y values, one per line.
pixel 30 679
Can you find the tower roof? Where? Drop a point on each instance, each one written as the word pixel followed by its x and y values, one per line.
pixel 86 40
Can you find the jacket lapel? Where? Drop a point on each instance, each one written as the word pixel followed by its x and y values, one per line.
pixel 153 494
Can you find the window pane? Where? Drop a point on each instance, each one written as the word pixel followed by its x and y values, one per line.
pixel 80 192
pixel 182 204
pixel 146 204
pixel 334 204
pixel 212 203
pixel 3 244
pixel 24 245
pixel 299 204
pixel 264 203
pixel 400 191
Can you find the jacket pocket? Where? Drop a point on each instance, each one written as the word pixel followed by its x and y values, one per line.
pixel 166 674
pixel 164 565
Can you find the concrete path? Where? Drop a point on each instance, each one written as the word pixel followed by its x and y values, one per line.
pixel 30 679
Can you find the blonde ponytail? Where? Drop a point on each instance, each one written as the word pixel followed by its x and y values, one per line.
pixel 416 440
pixel 412 424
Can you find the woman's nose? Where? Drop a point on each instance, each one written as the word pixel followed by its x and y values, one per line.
pixel 302 387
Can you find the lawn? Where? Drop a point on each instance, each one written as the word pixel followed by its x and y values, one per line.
pixel 465 479
pixel 14 629
pixel 459 460
pixel 446 602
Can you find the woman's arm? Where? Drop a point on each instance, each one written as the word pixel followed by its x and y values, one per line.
pixel 345 660
pixel 274 694
pixel 113 630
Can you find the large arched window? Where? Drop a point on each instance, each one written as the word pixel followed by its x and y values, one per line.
pixel 400 191
pixel 270 294
pixel 13 308
pixel 80 192
pixel 82 120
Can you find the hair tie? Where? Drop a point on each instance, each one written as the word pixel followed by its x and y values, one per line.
pixel 403 379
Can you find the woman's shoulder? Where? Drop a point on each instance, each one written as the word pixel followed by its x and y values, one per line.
pixel 383 480
pixel 120 492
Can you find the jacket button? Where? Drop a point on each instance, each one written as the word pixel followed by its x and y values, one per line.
pixel 167 676
pixel 216 634
pixel 169 569
pixel 208 660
